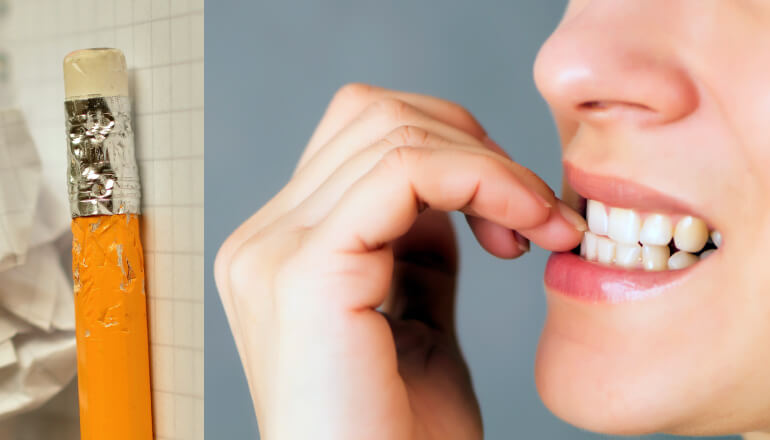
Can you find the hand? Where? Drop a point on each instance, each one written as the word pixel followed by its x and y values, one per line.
pixel 362 225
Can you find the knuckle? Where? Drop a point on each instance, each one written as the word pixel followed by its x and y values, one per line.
pixel 395 111
pixel 223 261
pixel 408 135
pixel 401 158
pixel 464 118
pixel 462 113
pixel 251 266
pixel 353 93
pixel 242 265
pixel 256 265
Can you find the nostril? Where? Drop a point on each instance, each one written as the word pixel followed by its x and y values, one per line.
pixel 614 110
pixel 592 105
pixel 603 105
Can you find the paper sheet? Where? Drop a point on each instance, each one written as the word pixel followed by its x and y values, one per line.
pixel 36 310
pixel 19 187
pixel 163 44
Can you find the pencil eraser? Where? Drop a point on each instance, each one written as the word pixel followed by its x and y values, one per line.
pixel 95 72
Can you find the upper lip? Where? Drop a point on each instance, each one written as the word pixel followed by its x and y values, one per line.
pixel 622 193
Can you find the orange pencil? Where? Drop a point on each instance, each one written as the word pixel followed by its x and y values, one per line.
pixel 107 259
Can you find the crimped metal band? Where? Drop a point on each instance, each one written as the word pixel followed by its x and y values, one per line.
pixel 103 176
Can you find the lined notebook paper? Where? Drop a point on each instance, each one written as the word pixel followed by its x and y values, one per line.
pixel 163 43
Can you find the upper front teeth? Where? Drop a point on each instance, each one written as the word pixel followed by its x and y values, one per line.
pixel 623 238
pixel 657 230
pixel 596 215
pixel 624 225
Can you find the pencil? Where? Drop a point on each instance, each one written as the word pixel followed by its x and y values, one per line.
pixel 107 259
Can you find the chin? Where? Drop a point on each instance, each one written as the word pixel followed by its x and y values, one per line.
pixel 596 387
pixel 660 364
pixel 656 323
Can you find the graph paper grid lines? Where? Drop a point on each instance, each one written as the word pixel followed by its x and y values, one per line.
pixel 163 44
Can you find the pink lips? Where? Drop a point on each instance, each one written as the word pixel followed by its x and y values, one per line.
pixel 622 193
pixel 573 276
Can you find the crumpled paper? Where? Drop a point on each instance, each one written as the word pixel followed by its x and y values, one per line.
pixel 19 188
pixel 37 319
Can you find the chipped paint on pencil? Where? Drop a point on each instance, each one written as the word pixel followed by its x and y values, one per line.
pixel 110 304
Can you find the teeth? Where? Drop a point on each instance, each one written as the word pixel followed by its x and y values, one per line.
pixel 605 250
pixel 655 257
pixel 619 236
pixel 596 214
pixel 691 234
pixel 588 247
pixel 628 255
pixel 681 259
pixel 705 254
pixel 716 237
pixel 657 230
pixel 624 225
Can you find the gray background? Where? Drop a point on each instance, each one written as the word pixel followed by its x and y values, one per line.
pixel 271 68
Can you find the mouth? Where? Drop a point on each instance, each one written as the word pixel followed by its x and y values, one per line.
pixel 639 242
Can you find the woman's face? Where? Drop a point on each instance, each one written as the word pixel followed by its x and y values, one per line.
pixel 663 106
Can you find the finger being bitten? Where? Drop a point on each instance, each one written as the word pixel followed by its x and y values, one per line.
pixel 382 205
pixel 561 232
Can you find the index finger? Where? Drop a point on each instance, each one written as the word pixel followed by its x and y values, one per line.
pixel 352 99
pixel 384 204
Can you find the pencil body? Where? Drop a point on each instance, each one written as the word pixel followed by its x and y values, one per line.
pixel 111 326
pixel 107 259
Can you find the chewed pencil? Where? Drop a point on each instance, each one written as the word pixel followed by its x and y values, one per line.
pixel 107 259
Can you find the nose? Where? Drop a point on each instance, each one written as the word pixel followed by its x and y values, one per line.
pixel 600 67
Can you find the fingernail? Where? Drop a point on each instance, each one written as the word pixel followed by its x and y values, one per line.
pixel 543 193
pixel 521 241
pixel 572 216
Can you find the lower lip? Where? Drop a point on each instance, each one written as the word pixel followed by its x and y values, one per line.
pixel 570 275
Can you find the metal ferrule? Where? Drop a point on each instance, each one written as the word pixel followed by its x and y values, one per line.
pixel 103 176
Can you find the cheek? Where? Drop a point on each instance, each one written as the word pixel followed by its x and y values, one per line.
pixel 741 95
pixel 566 127
pixel 674 363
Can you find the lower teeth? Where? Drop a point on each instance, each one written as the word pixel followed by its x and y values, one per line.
pixel 639 256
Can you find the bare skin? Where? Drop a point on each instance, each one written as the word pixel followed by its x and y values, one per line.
pixel 340 291
pixel 367 200
pixel 675 101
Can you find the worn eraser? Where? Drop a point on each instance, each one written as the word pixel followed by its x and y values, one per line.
pixel 95 72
